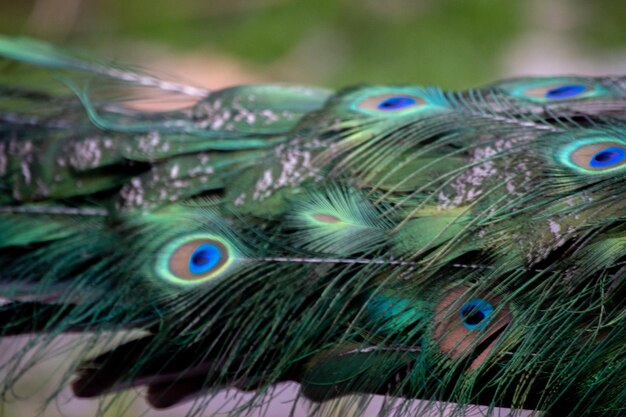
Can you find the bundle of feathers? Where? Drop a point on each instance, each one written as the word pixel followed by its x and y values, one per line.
pixel 464 247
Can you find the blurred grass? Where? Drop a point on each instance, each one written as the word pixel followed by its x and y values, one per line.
pixel 451 43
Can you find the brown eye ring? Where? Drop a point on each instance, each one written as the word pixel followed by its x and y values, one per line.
pixel 559 91
pixel 598 156
pixel 391 102
pixel 194 259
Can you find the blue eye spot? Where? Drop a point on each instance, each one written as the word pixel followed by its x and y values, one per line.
pixel 475 313
pixel 565 91
pixel 607 157
pixel 204 258
pixel 396 103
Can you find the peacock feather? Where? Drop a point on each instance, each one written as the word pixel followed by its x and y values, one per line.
pixel 464 247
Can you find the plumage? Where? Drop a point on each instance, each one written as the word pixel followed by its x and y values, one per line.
pixel 456 246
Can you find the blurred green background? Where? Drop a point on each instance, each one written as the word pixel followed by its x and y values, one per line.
pixel 451 43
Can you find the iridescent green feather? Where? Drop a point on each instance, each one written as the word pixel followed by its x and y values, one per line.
pixel 463 247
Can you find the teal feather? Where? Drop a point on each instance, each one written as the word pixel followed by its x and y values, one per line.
pixel 464 247
pixel 337 221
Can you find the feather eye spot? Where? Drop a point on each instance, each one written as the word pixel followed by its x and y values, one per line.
pixel 396 103
pixel 475 313
pixel 595 156
pixel 198 259
pixel 390 103
pixel 470 325
pixel 195 259
pixel 565 91
pixel 555 92
pixel 607 157
pixel 326 218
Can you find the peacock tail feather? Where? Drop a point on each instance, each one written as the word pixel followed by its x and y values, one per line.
pixel 463 247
